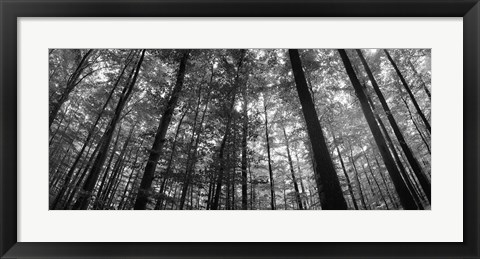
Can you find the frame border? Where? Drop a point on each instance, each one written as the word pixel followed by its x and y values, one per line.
pixel 10 10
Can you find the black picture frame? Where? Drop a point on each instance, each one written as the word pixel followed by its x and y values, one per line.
pixel 10 10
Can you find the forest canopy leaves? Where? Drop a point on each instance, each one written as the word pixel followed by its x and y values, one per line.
pixel 238 129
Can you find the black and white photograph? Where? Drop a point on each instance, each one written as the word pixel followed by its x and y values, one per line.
pixel 239 129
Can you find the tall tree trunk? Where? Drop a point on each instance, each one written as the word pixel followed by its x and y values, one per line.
pixel 82 172
pixel 62 136
pixel 124 195
pixel 84 199
pixel 98 199
pixel 189 152
pixel 352 161
pixel 387 188
pixel 270 171
pixel 220 175
pixel 157 148
pixel 375 179
pixel 303 196
pixel 407 88
pixel 133 193
pixel 421 79
pixel 90 134
pixel 113 193
pixel 347 178
pixel 192 156
pixel 174 197
pixel 52 136
pixel 330 192
pixel 406 198
pixel 416 126
pixel 252 187
pixel 228 183
pixel 170 161
pixel 233 181
pixel 285 197
pixel 234 165
pixel 396 157
pixel 56 177
pixel 393 150
pixel 72 81
pixel 117 167
pixel 369 186
pixel 210 191
pixel 416 188
pixel 244 148
pixel 417 169
pixel 58 167
pixel 294 180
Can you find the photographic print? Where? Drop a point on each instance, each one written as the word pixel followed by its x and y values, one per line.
pixel 239 129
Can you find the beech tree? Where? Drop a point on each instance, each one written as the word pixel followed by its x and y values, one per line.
pixel 84 199
pixel 239 129
pixel 402 190
pixel 417 169
pixel 156 150
pixel 75 78
pixel 331 196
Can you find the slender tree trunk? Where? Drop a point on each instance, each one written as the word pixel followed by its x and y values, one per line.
pixel 252 188
pixel 190 164
pixel 52 136
pixel 375 179
pixel 99 198
pixel 244 148
pixel 61 137
pixel 352 161
pixel 285 197
pixel 417 169
pixel 234 165
pixel 132 196
pixel 82 173
pixel 396 157
pixel 233 180
pixel 192 157
pixel 421 80
pixel 303 196
pixel 58 167
pixel 87 141
pixel 349 184
pixel 56 176
pixel 124 195
pixel 220 175
pixel 228 183
pixel 173 203
pixel 407 88
pixel 402 190
pixel 416 127
pixel 294 180
pixel 170 161
pixel 272 183
pixel 209 196
pixel 369 186
pixel 157 148
pixel 72 81
pixel 117 167
pixel 416 188
pixel 330 192
pixel 387 188
pixel 84 200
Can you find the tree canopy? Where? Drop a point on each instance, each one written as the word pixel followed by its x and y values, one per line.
pixel 239 129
